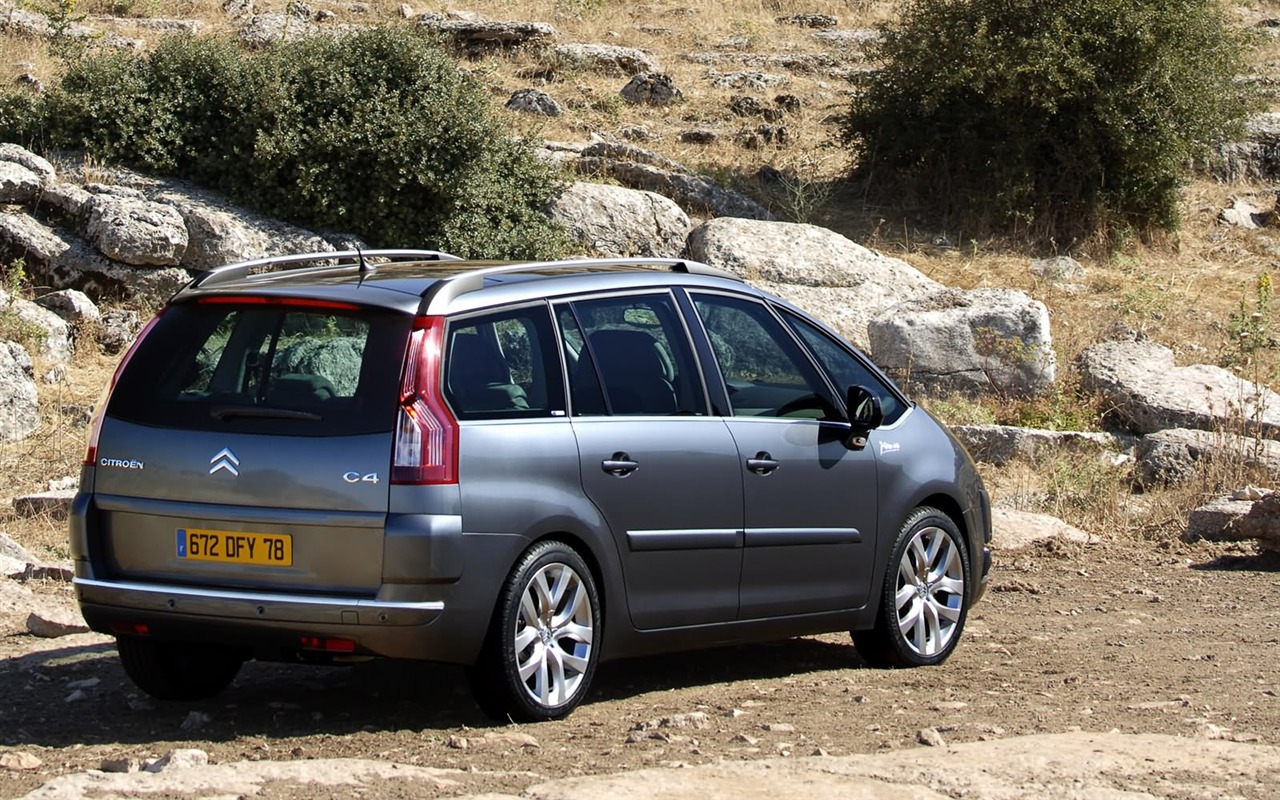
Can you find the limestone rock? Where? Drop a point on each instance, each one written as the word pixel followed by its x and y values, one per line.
pixel 71 305
pixel 16 154
pixel 819 270
pixel 219 233
pixel 1176 455
pixel 1015 530
pixel 1256 159
pixel 179 758
pixel 604 58
pixel 652 89
pixel 19 761
pixel 1262 522
pixel 19 417
pixel 534 101
pixel 1148 392
pixel 1062 271
pixel 136 231
pixel 56 621
pixel 1000 444
pixel 477 35
pixel 62 261
pixel 1244 214
pixel 616 221
pixel 1214 521
pixel 118 329
pixel 641 169
pixel 810 20
pixel 981 341
pixel 17 183
pixel 50 332
pixel 53 504
pixel 754 80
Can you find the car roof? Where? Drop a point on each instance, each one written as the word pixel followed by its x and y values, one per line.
pixel 428 282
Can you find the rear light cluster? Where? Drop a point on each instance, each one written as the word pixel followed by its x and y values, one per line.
pixel 426 435
pixel 100 408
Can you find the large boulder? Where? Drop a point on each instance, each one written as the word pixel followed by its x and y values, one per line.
pixel 475 35
pixel 63 261
pixel 980 341
pixel 641 169
pixel 1148 392
pixel 1178 455
pixel 127 227
pixel 1018 530
pixel 49 333
pixel 19 416
pixel 616 221
pixel 23 174
pixel 1000 444
pixel 609 59
pixel 839 280
pixel 219 233
pixel 1262 522
pixel 1256 158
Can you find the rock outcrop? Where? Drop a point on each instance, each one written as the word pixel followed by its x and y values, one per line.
pixel 614 221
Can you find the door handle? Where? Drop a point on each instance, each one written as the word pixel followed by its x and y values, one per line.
pixel 763 463
pixel 620 465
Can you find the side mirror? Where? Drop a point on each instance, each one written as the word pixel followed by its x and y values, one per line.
pixel 865 415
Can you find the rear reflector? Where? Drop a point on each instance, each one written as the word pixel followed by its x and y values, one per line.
pixel 327 644
pixel 130 628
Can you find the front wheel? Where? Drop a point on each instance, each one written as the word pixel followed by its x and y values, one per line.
pixel 924 601
pixel 542 648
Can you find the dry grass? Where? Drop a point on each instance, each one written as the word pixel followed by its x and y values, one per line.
pixel 1180 292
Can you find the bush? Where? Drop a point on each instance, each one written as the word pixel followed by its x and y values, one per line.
pixel 1058 118
pixel 378 134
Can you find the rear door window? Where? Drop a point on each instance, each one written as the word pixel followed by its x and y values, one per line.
pixel 295 368
pixel 504 366
pixel 632 352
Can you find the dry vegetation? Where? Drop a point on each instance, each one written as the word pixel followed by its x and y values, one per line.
pixel 1181 291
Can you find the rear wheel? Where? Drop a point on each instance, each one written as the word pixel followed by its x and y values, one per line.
pixel 174 671
pixel 925 599
pixel 542 648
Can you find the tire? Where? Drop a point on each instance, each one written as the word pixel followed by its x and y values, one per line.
pixel 174 671
pixel 925 598
pixel 544 643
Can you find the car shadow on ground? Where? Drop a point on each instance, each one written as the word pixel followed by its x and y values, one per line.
pixel 80 695
pixel 1264 561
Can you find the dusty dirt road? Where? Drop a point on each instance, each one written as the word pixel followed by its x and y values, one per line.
pixel 1137 638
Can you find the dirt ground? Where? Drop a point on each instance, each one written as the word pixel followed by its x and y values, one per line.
pixel 1133 637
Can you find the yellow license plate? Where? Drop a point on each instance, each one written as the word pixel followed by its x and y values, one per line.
pixel 233 547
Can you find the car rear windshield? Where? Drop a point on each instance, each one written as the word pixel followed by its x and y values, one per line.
pixel 283 369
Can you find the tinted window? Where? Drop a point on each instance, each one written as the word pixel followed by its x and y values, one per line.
pixel 765 372
pixel 637 350
pixel 504 365
pixel 844 368
pixel 284 369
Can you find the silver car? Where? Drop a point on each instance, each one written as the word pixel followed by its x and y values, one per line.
pixel 523 468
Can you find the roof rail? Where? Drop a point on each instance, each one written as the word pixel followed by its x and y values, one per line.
pixel 241 269
pixel 438 296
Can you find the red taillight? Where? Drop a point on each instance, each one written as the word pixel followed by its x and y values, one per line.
pixel 426 443
pixel 100 408
pixel 130 628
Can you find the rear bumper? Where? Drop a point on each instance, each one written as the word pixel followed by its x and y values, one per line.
pixel 270 622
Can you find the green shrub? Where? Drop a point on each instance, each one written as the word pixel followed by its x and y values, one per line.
pixel 1057 118
pixel 378 133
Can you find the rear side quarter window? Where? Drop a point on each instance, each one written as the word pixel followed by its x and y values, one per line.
pixel 504 366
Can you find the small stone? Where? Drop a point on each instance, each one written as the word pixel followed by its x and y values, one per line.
pixel 120 765
pixel 87 683
pixel 699 136
pixel 1247 493
pixel 779 727
pixel 406 11
pixel 511 739
pixel 820 751
pixel 52 623
pixel 181 758
pixel 76 696
pixel 457 743
pixel 930 737
pixel 19 761
pixel 747 740
pixel 195 720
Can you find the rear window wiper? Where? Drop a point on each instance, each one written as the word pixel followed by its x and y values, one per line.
pixel 227 412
